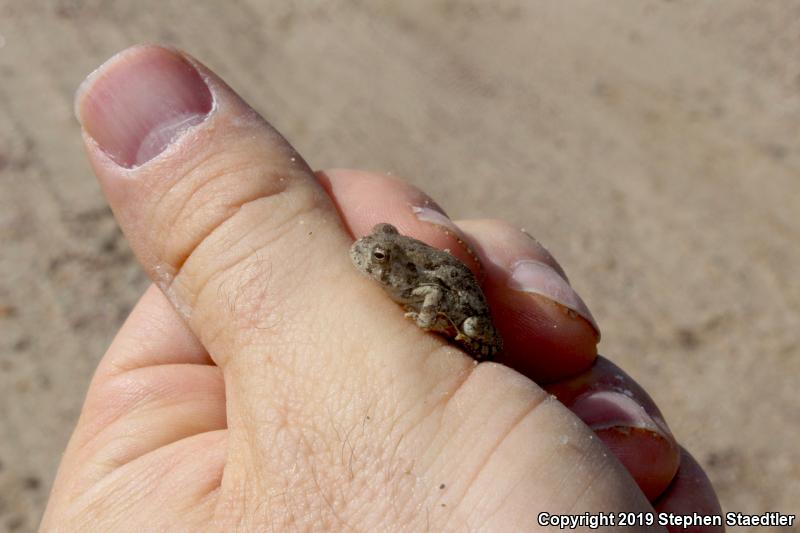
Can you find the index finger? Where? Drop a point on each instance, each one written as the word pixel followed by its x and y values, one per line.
pixel 547 330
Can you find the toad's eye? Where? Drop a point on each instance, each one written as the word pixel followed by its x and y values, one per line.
pixel 379 255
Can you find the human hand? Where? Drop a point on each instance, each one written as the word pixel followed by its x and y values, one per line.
pixel 267 385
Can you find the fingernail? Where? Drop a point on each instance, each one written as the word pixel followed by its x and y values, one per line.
pixel 611 409
pixel 540 278
pixel 545 254
pixel 434 214
pixel 141 101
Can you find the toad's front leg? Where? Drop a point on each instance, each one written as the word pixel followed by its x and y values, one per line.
pixel 428 316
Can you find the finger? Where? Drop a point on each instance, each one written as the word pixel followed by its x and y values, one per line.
pixel 153 334
pixel 184 475
pixel 542 341
pixel 364 199
pixel 157 380
pixel 548 331
pixel 691 492
pixel 626 419
pixel 547 327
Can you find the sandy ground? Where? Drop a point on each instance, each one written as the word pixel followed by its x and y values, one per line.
pixel 650 145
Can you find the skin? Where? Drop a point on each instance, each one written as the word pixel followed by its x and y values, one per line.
pixel 269 386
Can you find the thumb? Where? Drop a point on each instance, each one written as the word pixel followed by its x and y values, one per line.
pixel 220 210
pixel 232 225
pixel 225 217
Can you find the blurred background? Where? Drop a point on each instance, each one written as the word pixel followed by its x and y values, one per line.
pixel 650 145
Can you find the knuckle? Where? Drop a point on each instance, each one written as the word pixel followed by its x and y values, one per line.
pixel 219 216
pixel 238 276
pixel 120 395
pixel 209 191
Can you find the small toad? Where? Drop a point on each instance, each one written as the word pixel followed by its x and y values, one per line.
pixel 439 292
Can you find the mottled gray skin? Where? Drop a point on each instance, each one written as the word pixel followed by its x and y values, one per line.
pixel 439 292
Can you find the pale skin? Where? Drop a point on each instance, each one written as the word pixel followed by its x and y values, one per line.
pixel 273 387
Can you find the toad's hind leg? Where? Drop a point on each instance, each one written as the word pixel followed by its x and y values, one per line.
pixel 480 337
